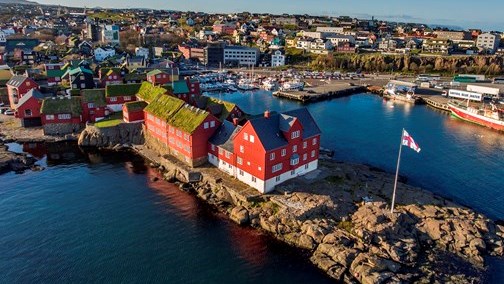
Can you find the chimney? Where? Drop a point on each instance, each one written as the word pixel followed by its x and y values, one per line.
pixel 266 114
pixel 235 121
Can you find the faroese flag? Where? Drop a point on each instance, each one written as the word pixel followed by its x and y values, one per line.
pixel 407 140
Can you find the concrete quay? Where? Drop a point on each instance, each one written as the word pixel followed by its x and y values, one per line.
pixel 322 92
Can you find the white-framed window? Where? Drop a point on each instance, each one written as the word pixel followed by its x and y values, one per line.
pixel 113 99
pixel 314 141
pixel 228 154
pixel 294 148
pixel 252 139
pixel 90 105
pixel 245 136
pixel 205 125
pixel 74 86
pixel 254 179
pixel 295 134
pixel 241 172
pixel 221 151
pixel 212 123
pixel 179 133
pixel 230 166
pixel 313 153
pixel 276 168
pixel 83 85
pixel 49 117
pixel 294 161
pixel 127 98
pixel 284 152
pixel 277 179
pixel 64 116
pixel 187 137
pixel 213 147
pixel 272 156
pixel 242 149
pixel 172 130
pixel 305 156
pixel 158 121
pixel 239 161
pixel 305 144
pixel 158 76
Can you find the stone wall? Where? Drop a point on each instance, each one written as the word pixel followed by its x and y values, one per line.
pixel 61 128
pixel 124 133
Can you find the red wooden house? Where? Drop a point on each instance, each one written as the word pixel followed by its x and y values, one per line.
pixel 183 129
pixel 134 111
pixel 186 91
pixel 28 108
pixel 61 115
pixel 272 149
pixel 110 76
pixel 94 106
pixel 54 72
pixel 117 95
pixel 17 86
pixel 159 77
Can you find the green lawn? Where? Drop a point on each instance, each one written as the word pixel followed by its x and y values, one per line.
pixel 113 120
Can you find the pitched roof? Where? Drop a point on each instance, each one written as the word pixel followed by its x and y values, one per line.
pixel 96 96
pixel 23 43
pixel 180 87
pixel 269 130
pixel 73 71
pixel 135 106
pixel 224 136
pixel 59 105
pixel 155 72
pixel 188 118
pixel 33 93
pixel 148 92
pixel 17 80
pixel 220 109
pixel 122 90
pixel 164 106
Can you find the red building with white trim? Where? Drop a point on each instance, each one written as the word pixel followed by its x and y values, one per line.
pixel 17 86
pixel 269 150
pixel 134 111
pixel 28 108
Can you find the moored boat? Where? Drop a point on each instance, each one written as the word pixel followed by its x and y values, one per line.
pixel 491 117
pixel 405 97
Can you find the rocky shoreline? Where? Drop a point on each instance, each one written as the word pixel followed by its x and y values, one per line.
pixel 339 215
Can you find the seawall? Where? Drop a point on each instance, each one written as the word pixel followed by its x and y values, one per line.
pixel 108 137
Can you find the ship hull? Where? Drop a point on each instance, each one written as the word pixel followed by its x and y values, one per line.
pixel 476 118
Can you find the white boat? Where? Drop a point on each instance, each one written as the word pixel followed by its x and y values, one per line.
pixel 292 85
pixel 270 84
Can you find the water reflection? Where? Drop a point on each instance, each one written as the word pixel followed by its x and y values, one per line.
pixel 250 245
pixel 485 139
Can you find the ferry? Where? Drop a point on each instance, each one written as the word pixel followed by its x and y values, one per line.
pixel 492 117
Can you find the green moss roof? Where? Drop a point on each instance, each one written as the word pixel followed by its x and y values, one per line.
pixel 164 106
pixel 148 92
pixel 227 107
pixel 122 90
pixel 155 72
pixel 135 106
pixel 96 96
pixel 70 105
pixel 188 118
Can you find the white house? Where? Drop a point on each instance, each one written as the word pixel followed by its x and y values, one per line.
pixel 277 59
pixel 336 30
pixel 488 41
pixel 142 51
pixel 337 39
pixel 101 53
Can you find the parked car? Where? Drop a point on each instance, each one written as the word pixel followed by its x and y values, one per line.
pixel 3 109
pixel 9 112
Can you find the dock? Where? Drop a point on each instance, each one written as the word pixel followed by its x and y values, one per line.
pixel 322 92
pixel 438 102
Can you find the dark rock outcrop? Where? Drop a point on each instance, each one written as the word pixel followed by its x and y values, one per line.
pixel 110 137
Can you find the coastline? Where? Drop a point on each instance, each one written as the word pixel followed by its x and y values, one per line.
pixel 339 216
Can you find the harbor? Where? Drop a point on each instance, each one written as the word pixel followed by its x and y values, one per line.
pixel 323 92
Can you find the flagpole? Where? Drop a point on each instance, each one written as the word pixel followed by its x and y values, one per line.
pixel 397 173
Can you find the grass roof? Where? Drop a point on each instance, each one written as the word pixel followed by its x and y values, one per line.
pixel 164 106
pixel 155 72
pixel 122 90
pixel 135 106
pixel 188 118
pixel 149 93
pixel 59 105
pixel 227 107
pixel 96 96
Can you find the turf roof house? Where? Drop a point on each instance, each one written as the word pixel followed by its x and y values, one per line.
pixel 221 109
pixel 28 108
pixel 94 106
pixel 134 111
pixel 79 78
pixel 61 115
pixel 269 150
pixel 162 77
pixel 117 95
pixel 181 130
pixel 110 76
pixel 17 87
pixel 54 73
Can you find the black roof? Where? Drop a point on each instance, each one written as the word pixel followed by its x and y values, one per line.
pixel 269 130
pixel 224 135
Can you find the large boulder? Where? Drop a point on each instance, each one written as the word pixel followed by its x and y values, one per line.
pixel 240 215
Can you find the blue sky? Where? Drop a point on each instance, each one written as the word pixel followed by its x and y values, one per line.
pixel 464 13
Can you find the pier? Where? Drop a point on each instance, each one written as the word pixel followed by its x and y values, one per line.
pixel 322 92
pixel 438 102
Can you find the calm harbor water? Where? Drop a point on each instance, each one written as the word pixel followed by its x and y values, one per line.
pixel 95 218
